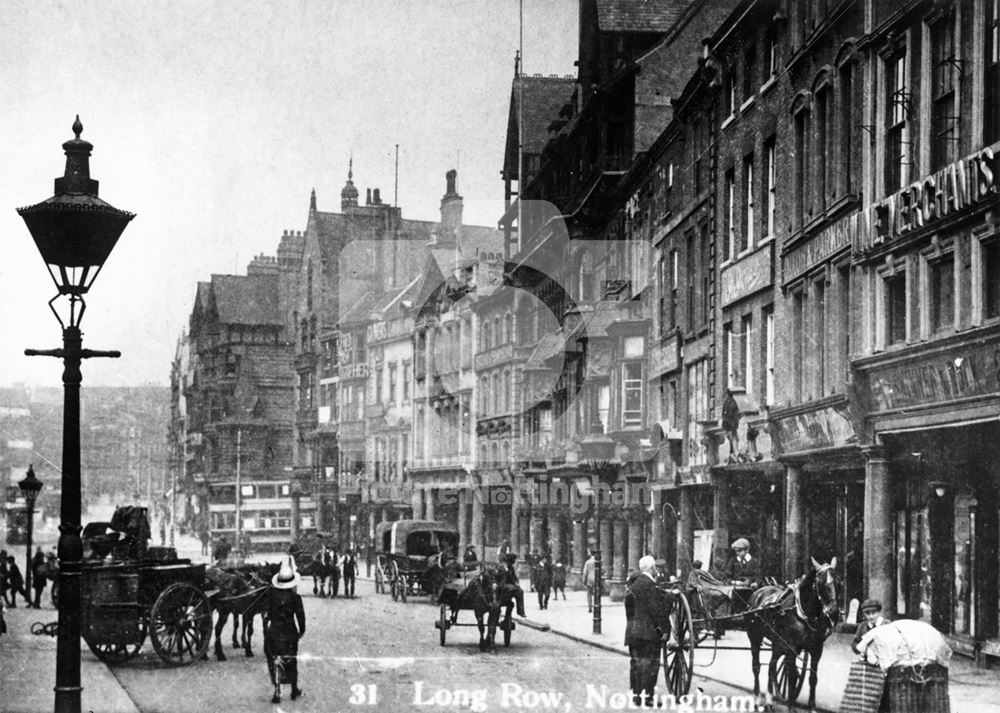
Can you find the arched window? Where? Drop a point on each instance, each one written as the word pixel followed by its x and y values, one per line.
pixel 482 454
pixel 495 453
pixel 483 390
pixel 508 322
pixel 505 453
pixel 495 396
pixel 506 392
pixel 497 332
pixel 486 335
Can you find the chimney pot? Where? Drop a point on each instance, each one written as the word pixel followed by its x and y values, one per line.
pixel 376 197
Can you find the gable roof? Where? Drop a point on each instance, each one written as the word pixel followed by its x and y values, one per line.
pixel 543 98
pixel 247 299
pixel 639 15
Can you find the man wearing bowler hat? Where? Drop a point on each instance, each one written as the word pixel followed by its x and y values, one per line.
pixel 872 612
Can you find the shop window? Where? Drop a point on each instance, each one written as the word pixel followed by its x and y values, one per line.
pixel 769 355
pixel 632 394
pixel 747 239
pixel 798 335
pixel 895 308
pixel 848 119
pixel 942 293
pixel 991 278
pixel 965 560
pixel 991 73
pixel 817 355
pixel 749 72
pixel 770 194
pixel 803 208
pixel 822 145
pixel 730 213
pixel 944 115
pixel 897 103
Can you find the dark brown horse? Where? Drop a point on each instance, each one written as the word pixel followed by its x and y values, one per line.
pixel 796 620
pixel 242 592
pixel 485 596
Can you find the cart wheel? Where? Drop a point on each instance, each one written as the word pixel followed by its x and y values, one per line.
pixel 790 672
pixel 508 627
pixel 403 586
pixel 54 593
pixel 394 581
pixel 180 624
pixel 443 621
pixel 116 652
pixel 678 650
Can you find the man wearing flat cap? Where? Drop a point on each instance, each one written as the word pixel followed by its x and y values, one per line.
pixel 742 566
pixel 872 612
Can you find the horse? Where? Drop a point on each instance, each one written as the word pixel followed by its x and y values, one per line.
pixel 794 619
pixel 320 570
pixel 242 593
pixel 485 595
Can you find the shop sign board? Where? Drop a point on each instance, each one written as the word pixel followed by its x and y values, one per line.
pixel 961 373
pixel 749 275
pixel 824 244
pixel 664 357
pixel 823 428
pixel 928 200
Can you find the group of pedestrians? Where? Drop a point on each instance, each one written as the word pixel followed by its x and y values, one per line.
pixel 12 581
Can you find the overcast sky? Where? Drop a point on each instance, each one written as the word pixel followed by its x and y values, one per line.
pixel 212 121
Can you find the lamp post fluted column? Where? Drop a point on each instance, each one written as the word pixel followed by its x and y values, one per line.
pixel 74 231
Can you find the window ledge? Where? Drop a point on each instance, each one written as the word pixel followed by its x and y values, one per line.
pixel 727 121
pixel 748 103
pixel 771 81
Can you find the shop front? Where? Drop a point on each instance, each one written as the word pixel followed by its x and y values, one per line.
pixel 935 418
pixel 824 479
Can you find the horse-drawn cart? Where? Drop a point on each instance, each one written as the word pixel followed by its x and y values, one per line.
pixel 796 619
pixel 414 557
pixel 484 597
pixel 127 595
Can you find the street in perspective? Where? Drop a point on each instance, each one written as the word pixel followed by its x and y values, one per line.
pixel 567 355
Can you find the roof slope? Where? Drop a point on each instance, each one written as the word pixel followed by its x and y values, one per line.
pixel 247 299
pixel 639 15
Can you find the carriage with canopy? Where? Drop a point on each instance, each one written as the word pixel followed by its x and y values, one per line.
pixel 415 557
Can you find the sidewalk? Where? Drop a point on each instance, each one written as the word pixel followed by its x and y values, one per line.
pixel 971 689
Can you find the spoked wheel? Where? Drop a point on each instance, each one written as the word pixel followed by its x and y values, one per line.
pixel 443 621
pixel 118 652
pixel 393 581
pixel 678 650
pixel 789 673
pixel 404 585
pixel 180 624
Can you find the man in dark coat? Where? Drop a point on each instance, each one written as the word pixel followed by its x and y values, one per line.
pixel 742 566
pixel 38 571
pixel 470 559
pixel 350 572
pixel 543 581
pixel 15 582
pixel 284 625
pixel 559 580
pixel 333 562
pixel 511 586
pixel 647 614
pixel 4 581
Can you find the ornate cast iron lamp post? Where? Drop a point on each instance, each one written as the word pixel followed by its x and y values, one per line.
pixel 75 232
pixel 30 486
pixel 598 450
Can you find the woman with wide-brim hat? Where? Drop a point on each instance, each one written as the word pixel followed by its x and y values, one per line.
pixel 284 625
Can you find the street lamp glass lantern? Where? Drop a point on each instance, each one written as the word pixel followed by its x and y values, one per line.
pixel 30 486
pixel 75 230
